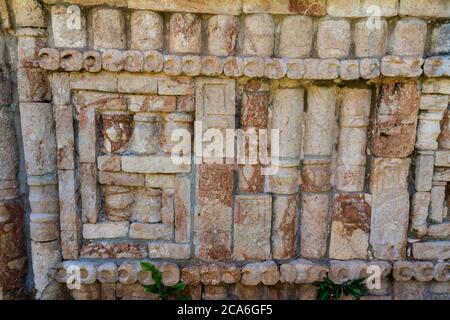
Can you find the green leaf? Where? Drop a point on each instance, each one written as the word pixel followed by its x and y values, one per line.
pixel 156 274
pixel 179 287
pixel 152 288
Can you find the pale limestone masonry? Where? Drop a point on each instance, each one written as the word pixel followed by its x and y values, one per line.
pixel 94 93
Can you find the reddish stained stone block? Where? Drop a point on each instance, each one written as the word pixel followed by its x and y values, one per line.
pixel 313 8
pixel 316 175
pixel 444 137
pixel 12 251
pixel 255 105
pixel 284 227
pixel 191 275
pixel 399 98
pixel 111 250
pixel 250 179
pixel 213 219
pixel 216 183
pixel 394 136
pixel 210 274
pixel 185 103
pixel 350 226
pixel 116 129
pixel 255 110
pixel 394 131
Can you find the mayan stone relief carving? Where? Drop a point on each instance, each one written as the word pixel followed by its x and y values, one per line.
pixel 246 147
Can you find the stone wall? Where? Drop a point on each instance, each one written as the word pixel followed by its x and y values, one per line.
pixel 357 89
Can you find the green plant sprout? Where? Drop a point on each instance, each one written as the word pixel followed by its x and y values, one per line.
pixel 158 288
pixel 328 290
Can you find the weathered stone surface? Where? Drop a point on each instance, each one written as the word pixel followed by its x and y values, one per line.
pixel 44 226
pixel 440 42
pixel 408 37
pixel 427 8
pixel 214 6
pixel 151 231
pixel 45 256
pixel 395 126
pixel 49 59
pixel 442 158
pixel 169 250
pixel 437 67
pixel 352 141
pixel 66 32
pixel 349 69
pixel 259 35
pixel 233 66
pixel 369 68
pixel 92 61
pixel 320 121
pixel 175 86
pixel 315 175
pixel 303 7
pixel 90 199
pixel 222 35
pixel 211 66
pixel 71 60
pixel 28 13
pixel 133 61
pixel 252 226
pixel 172 65
pixel 354 9
pixel 111 250
pixel 440 86
pixel 431 250
pixel 286 117
pixel 390 207
pixel 28 49
pixel 253 67
pixel 370 42
pixel 350 226
pixel 104 81
pixel 444 138
pixel 136 83
pixel 33 85
pixel 424 172
pixel 152 164
pixel 395 66
pixel 296 37
pixel 438 195
pixel 185 33
pixel 87 135
pixel 333 39
pixel 314 225
pixel 108 29
pixel 420 206
pixel 274 68
pixel 39 142
pixel 9 156
pixel 284 230
pixel 439 231
pixel 107 230
pixel 69 214
pixel 182 208
pixel 146 30
pixel 12 250
pixel 410 290
pixel 116 130
pixel 121 179
pixel 213 218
